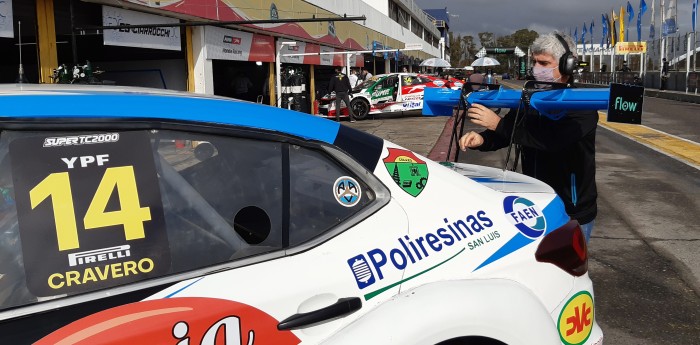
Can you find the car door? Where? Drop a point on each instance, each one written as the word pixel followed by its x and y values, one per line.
pixel 184 235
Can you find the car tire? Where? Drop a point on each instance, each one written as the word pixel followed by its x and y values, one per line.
pixel 360 108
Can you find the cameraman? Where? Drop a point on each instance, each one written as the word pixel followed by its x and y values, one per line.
pixel 561 153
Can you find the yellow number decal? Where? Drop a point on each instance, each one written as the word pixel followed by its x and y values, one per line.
pixel 131 215
pixel 57 186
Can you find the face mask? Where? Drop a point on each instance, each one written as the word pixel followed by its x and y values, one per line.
pixel 544 74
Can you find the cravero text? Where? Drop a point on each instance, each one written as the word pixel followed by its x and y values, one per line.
pixel 100 273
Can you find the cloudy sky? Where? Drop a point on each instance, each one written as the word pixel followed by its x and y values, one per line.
pixel 503 17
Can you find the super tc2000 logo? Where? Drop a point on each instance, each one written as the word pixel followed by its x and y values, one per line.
pixel 525 215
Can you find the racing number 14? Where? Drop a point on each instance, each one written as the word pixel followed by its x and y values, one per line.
pixel 132 215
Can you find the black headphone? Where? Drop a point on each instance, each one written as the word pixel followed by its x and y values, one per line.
pixel 567 62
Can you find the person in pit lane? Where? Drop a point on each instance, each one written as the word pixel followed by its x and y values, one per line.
pixel 560 153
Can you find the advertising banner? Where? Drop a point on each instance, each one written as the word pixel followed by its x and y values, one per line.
pixel 6 29
pixel 167 38
pixel 630 47
pixel 227 44
pixel 327 60
pixel 299 48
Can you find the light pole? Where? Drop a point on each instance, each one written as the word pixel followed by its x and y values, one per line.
pixel 278 72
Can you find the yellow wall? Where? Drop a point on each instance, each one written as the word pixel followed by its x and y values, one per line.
pixel 46 36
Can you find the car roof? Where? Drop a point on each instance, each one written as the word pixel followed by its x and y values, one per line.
pixel 58 102
pixel 52 101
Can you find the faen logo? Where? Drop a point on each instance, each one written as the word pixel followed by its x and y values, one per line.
pixel 185 320
pixel 525 215
pixel 575 321
pixel 232 40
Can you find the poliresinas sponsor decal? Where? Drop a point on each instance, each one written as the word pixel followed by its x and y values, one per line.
pixel 470 232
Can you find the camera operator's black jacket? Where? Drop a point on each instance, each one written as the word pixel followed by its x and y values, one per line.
pixel 560 153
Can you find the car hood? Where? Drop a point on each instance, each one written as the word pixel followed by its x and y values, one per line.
pixel 500 180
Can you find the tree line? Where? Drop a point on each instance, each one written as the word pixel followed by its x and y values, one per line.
pixel 463 49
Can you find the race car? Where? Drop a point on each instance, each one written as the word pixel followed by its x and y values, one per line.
pixel 139 216
pixel 384 93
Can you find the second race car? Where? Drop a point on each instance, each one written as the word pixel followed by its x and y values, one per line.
pixel 384 93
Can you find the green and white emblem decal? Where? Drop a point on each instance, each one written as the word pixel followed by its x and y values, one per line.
pixel 407 170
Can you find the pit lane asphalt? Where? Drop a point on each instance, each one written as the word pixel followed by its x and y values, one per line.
pixel 643 257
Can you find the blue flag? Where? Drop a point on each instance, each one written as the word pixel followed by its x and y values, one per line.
pixel 642 9
pixel 576 35
pixel 583 36
pixel 603 39
pixel 630 12
pixel 591 31
pixel 695 14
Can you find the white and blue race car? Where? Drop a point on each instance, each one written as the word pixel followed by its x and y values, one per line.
pixel 136 216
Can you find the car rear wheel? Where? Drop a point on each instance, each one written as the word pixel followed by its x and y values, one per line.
pixel 473 340
pixel 360 108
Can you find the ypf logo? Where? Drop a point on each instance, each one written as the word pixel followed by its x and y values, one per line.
pixel 576 319
pixel 525 215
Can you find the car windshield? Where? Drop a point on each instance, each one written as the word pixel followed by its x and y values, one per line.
pixel 365 84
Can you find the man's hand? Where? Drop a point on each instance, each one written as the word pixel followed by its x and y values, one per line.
pixel 470 140
pixel 482 116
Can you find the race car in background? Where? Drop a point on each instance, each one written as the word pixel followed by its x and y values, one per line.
pixel 384 93
pixel 156 217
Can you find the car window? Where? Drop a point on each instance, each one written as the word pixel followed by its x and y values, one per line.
pixel 85 211
pixel 390 81
pixel 323 194
pixel 89 210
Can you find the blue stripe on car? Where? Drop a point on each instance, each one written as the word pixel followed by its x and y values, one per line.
pixel 167 107
pixel 556 216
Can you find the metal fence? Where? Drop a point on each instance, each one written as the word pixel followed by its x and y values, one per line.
pixel 675 81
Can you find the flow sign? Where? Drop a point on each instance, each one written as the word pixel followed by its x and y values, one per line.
pixel 625 103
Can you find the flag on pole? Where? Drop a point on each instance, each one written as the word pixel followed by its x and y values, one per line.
pixel 604 36
pixel 613 28
pixel 630 12
pixel 621 37
pixel 669 24
pixel 591 31
pixel 695 14
pixel 576 35
pixel 583 36
pixel 642 9
pixel 652 28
